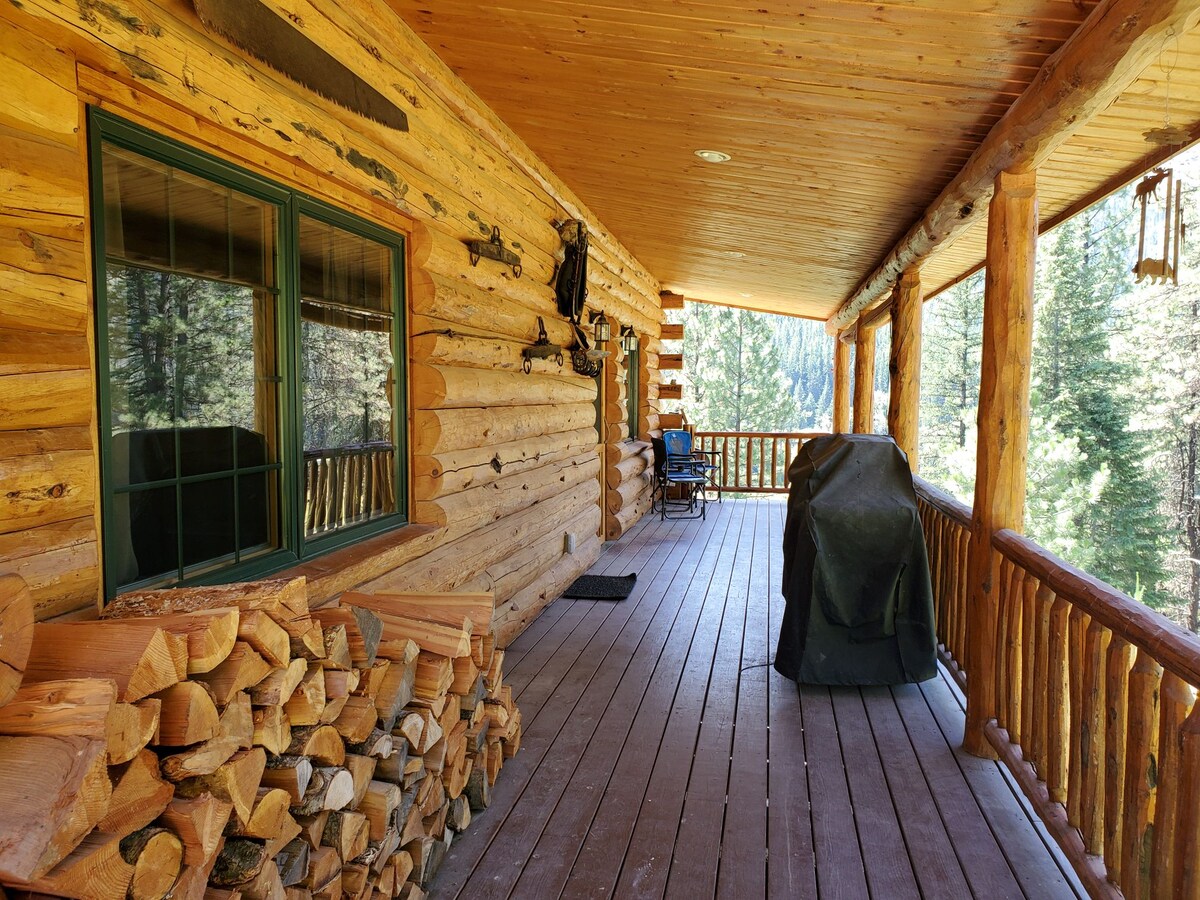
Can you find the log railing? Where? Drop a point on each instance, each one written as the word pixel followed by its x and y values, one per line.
pixel 947 526
pixel 753 462
pixel 346 485
pixel 1095 712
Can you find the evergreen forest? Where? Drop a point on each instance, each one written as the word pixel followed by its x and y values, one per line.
pixel 1115 433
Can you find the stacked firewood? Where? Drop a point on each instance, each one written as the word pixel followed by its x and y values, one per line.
pixel 229 742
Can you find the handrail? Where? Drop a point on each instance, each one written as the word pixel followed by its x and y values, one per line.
pixel 346 485
pixel 752 461
pixel 1096 711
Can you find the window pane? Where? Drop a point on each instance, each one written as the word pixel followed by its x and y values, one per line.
pixel 346 365
pixel 192 364
pixel 257 494
pixel 144 544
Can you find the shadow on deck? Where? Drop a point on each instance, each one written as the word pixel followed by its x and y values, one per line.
pixel 662 756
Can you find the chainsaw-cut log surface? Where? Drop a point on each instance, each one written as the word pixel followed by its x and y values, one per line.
pixel 447 608
pixel 95 870
pixel 131 726
pixel 53 791
pixel 140 657
pixel 199 822
pixel 187 714
pixel 156 856
pixel 16 633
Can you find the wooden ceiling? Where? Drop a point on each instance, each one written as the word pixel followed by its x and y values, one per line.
pixel 844 120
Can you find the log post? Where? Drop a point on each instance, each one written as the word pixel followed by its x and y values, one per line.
pixel 1003 428
pixel 904 405
pixel 864 379
pixel 841 385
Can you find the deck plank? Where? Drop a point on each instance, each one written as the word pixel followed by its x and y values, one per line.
pixel 661 757
pixel 791 863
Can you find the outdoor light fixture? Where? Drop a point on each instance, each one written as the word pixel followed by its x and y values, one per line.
pixel 601 330
pixel 629 339
pixel 713 156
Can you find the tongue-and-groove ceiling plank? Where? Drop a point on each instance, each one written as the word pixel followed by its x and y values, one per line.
pixel 844 119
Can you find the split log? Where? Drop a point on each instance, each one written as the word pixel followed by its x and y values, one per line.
pixel 306 703
pixel 131 726
pixel 272 729
pixel 156 856
pixel 370 680
pixel 139 795
pixel 16 633
pixel 239 861
pixel 397 688
pixel 357 719
pixel 53 791
pixel 321 743
pixel 324 865
pixel 284 599
pixel 187 714
pixel 78 706
pixel 236 781
pixel 293 863
pixel 269 817
pixel 446 608
pixel 290 773
pixel 379 804
pixel 446 640
pixel 362 771
pixel 266 885
pixel 235 731
pixel 279 685
pixel 331 788
pixel 142 659
pixel 363 631
pixel 95 870
pixel 242 669
pixel 347 832
pixel 198 822
pixel 337 649
pixel 262 633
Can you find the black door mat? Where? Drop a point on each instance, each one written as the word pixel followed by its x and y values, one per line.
pixel 601 587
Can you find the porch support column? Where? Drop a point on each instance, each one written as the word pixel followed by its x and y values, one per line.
pixel 905 365
pixel 864 379
pixel 1003 430
pixel 841 385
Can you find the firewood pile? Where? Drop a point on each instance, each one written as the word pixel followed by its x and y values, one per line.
pixel 229 742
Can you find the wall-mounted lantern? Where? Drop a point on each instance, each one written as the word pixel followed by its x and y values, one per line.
pixel 629 339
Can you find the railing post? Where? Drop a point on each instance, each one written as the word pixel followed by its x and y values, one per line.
pixel 904 404
pixel 841 385
pixel 864 379
pixel 1003 429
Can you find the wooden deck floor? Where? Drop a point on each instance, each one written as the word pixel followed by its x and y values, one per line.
pixel 662 756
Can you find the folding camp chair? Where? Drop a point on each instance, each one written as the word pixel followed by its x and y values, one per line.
pixel 681 476
pixel 679 444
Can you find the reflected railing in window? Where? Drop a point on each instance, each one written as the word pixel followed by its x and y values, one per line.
pixel 347 485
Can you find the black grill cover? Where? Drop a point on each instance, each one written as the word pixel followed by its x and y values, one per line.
pixel 855 572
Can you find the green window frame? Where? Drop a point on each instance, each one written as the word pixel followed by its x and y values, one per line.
pixel 279 476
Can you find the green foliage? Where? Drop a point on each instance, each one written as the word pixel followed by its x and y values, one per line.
pixel 735 379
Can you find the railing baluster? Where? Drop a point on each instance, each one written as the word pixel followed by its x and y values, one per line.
pixel 1003 588
pixel 1093 737
pixel 1016 656
pixel 1131 866
pixel 1116 731
pixel 962 653
pixel 1059 709
pixel 1175 697
pixel 1077 639
pixel 1043 600
pixel 1187 815
pixel 1029 685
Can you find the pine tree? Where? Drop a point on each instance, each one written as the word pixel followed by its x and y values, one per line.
pixel 1079 392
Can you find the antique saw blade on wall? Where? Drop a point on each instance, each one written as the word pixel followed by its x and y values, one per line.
pixel 263 34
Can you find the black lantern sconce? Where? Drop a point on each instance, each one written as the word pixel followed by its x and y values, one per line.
pixel 629 339
pixel 601 330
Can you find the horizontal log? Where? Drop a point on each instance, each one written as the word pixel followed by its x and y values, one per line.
pixel 517 571
pixel 513 616
pixel 477 507
pixel 42 175
pixel 617 524
pixel 627 469
pixel 617 453
pixel 445 387
pixel 953 509
pixel 480 312
pixel 442 345
pixel 42 85
pixel 1174 648
pixel 442 430
pixel 627 494
pixel 31 352
pixel 460 470
pixel 42 490
pixel 42 243
pixel 452 564
pixel 59 563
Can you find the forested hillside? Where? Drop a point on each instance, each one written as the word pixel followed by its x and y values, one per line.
pixel 1115 434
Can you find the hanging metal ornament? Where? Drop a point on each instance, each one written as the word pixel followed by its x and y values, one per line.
pixel 494 248
pixel 541 349
pixel 1160 229
pixel 584 360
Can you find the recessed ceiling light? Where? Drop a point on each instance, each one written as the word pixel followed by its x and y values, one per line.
pixel 747 296
pixel 734 254
pixel 713 156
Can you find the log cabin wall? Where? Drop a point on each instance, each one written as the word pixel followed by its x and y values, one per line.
pixel 502 464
